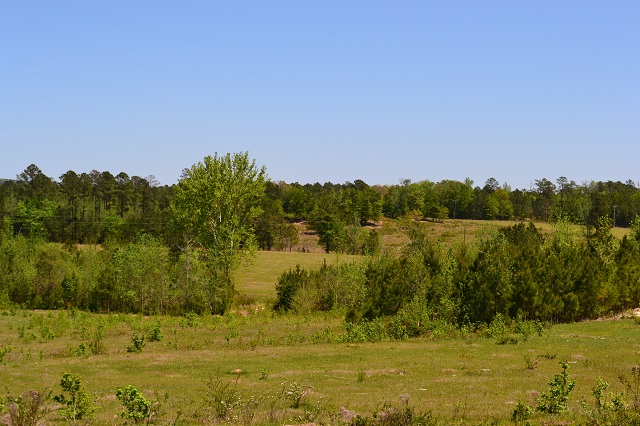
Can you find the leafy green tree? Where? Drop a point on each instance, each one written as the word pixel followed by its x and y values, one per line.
pixel 216 203
pixel 331 232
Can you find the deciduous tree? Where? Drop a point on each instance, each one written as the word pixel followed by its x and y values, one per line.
pixel 216 203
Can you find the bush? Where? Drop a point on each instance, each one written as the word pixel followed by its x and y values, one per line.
pixel 136 406
pixel 137 343
pixel 555 400
pixel 288 284
pixel 78 404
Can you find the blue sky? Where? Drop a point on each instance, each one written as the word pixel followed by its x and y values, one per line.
pixel 324 90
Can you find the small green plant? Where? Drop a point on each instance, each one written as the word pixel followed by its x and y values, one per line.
pixel 602 404
pixel 522 412
pixel 29 408
pixel 191 319
pixel 264 374
pixel 77 405
pixel 498 328
pixel 361 376
pixel 155 335
pixel 80 350
pixel 3 352
pixel 137 343
pixel 46 333
pixel 555 400
pixel 136 406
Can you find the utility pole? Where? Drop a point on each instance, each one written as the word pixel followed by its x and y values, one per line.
pixel 614 216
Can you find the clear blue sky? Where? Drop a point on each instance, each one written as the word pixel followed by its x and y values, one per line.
pixel 324 90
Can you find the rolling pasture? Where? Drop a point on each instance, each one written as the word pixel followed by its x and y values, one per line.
pixel 255 366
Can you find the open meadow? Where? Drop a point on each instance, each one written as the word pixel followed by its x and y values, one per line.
pixel 280 369
pixel 256 366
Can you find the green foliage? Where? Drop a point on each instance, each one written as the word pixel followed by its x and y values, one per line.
pixel 136 406
pixel 77 405
pixel 364 331
pixel 521 413
pixel 555 400
pixel 137 343
pixel 287 286
pixel 215 204
pixel 155 335
pixel 96 340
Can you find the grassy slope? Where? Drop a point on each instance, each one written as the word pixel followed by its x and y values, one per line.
pixel 258 278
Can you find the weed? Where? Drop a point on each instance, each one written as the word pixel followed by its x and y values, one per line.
pixel 78 404
pixel 530 363
pixel 460 409
pixel 273 401
pixel 46 333
pixel 29 408
pixel 191 320
pixel 361 376
pixel 220 400
pixel 264 375
pixel 3 352
pixel 390 415
pixel 96 344
pixel 80 350
pixel 498 328
pixel 632 386
pixel 295 392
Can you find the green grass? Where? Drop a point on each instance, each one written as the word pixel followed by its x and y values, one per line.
pixel 469 376
pixel 259 277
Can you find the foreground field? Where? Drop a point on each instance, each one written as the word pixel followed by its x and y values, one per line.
pixel 268 361
pixel 254 366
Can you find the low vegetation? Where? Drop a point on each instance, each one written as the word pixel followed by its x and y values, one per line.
pixel 290 368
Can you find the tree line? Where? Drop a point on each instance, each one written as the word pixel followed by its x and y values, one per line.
pixel 515 272
pixel 118 243
pixel 93 207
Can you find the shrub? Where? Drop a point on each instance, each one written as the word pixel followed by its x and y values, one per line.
pixel 136 406
pixel 287 286
pixel 555 400
pixel 155 335
pixel 78 404
pixel 137 343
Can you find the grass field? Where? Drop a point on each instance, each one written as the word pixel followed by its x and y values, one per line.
pixel 470 378
pixel 275 369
